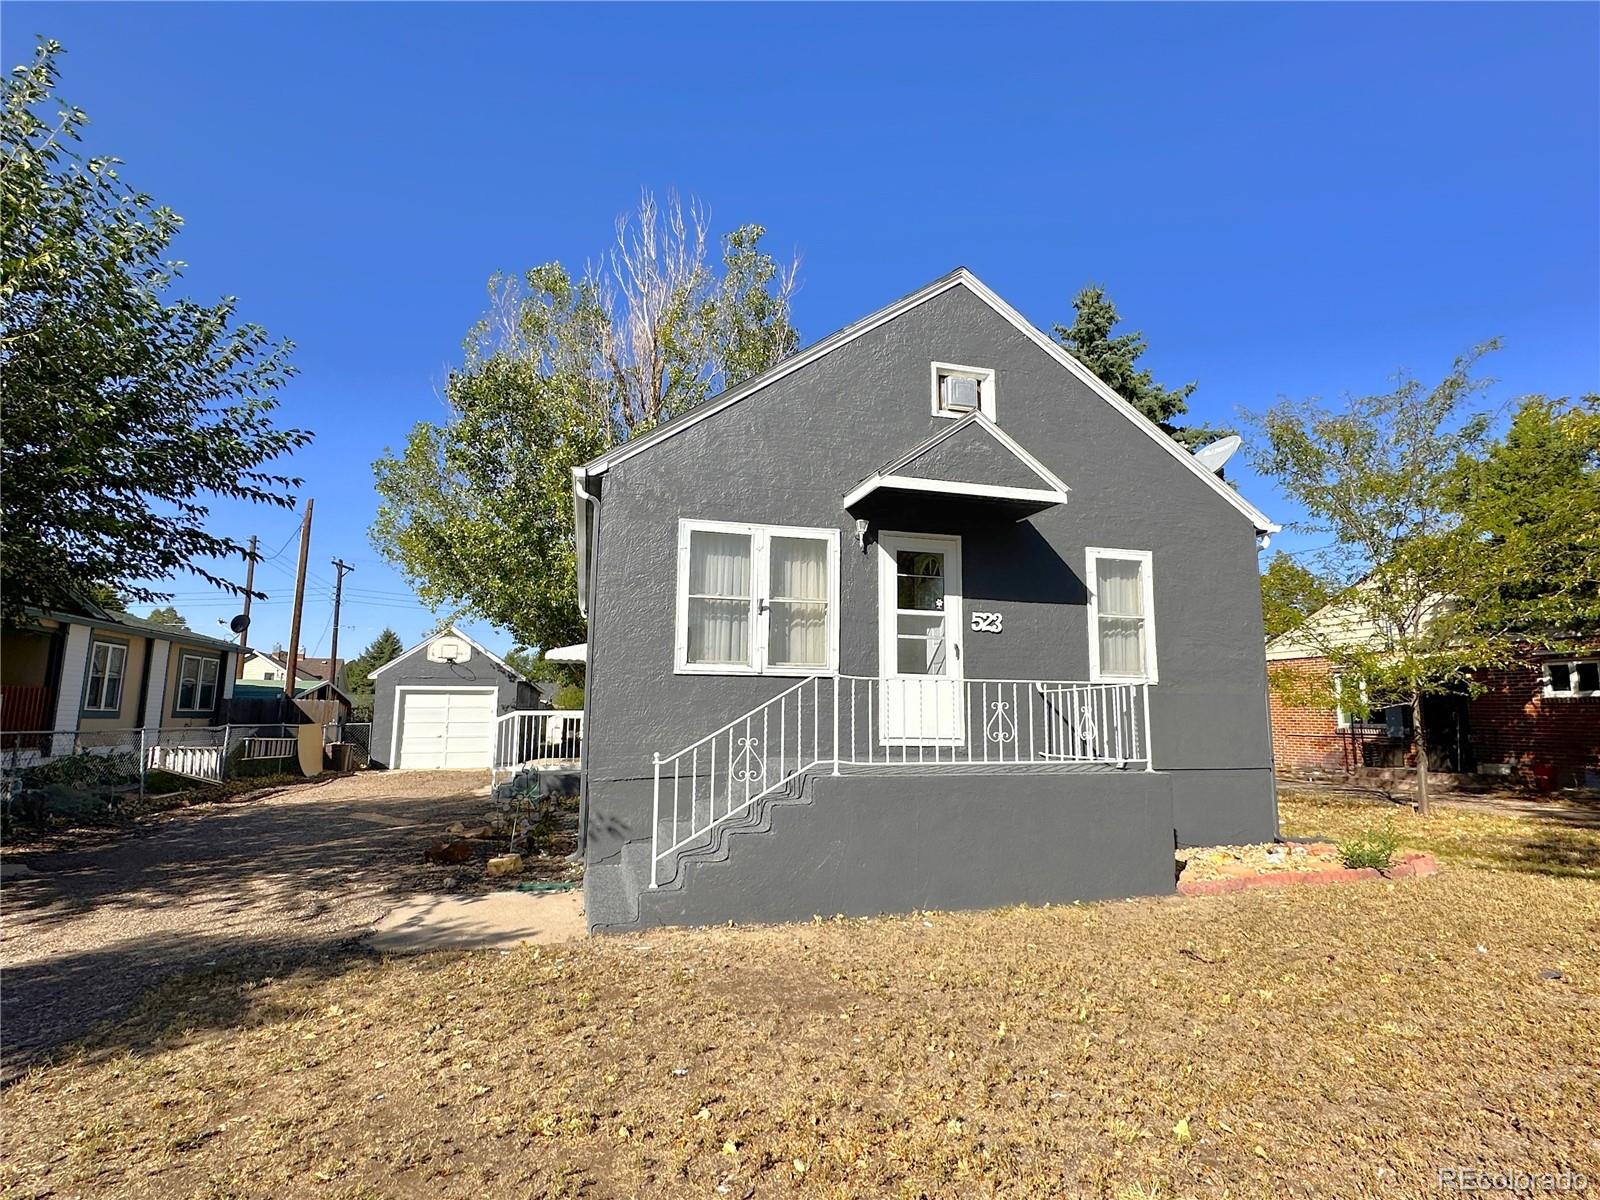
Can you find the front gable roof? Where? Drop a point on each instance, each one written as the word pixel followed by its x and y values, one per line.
pixel 961 277
pixel 451 631
pixel 973 457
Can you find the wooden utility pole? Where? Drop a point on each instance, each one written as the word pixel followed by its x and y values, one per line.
pixel 249 586
pixel 341 567
pixel 299 600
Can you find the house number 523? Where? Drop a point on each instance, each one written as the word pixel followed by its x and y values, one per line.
pixel 986 622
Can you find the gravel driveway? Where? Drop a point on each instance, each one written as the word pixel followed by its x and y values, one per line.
pixel 299 873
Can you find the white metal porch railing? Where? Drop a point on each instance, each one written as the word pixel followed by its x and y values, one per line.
pixel 526 737
pixel 911 722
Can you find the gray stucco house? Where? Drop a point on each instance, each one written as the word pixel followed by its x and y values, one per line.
pixel 438 705
pixel 924 617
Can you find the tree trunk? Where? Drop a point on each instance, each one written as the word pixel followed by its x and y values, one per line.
pixel 1419 731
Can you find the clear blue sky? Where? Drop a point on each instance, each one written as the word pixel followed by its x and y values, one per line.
pixel 1287 200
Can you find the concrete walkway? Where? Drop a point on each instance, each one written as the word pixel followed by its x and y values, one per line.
pixel 497 921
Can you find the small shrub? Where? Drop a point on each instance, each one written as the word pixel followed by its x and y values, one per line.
pixel 569 697
pixel 1373 848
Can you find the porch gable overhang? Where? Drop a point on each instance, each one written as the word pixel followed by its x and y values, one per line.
pixel 975 459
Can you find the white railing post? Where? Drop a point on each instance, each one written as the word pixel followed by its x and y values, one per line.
pixel 836 724
pixel 655 820
pixel 1149 740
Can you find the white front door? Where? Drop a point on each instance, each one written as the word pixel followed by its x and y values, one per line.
pixel 446 729
pixel 919 639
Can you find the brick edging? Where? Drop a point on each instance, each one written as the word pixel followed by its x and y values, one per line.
pixel 1411 866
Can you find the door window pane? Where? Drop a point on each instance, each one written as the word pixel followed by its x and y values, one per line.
pixel 919 580
pixel 920 645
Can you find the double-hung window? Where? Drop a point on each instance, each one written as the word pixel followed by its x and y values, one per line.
pixel 108 663
pixel 757 599
pixel 1122 631
pixel 197 684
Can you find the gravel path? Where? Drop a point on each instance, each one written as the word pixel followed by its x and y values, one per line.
pixel 294 874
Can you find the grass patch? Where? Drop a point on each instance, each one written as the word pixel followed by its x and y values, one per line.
pixel 1317 1041
pixel 1564 840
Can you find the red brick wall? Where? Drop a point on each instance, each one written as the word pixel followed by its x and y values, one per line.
pixel 1307 739
pixel 1514 721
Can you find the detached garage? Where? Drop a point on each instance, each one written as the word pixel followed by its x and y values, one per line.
pixel 435 707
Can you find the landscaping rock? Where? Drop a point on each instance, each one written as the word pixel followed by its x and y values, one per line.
pixel 505 864
pixel 454 851
pixel 478 833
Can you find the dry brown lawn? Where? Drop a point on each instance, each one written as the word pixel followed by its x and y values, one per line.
pixel 1314 1042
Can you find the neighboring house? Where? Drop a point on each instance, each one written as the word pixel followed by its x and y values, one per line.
pixel 926 616
pixel 438 704
pixel 1537 719
pixel 260 667
pixel 98 673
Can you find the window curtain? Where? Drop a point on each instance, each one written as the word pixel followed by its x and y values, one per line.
pixel 797 626
pixel 1119 596
pixel 719 597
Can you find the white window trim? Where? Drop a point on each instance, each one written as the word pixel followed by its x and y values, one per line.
pixel 1341 718
pixel 986 389
pixel 760 583
pixel 196 710
pixel 1575 693
pixel 1092 555
pixel 122 677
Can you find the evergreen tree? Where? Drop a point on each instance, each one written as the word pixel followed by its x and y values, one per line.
pixel 1115 359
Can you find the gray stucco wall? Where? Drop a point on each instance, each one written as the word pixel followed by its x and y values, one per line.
pixel 418 671
pixel 868 845
pixel 788 453
pixel 971 456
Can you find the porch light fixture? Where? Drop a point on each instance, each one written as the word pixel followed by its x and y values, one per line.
pixel 861 533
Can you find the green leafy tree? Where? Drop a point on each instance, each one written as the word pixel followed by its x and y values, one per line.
pixel 170 617
pixel 384 648
pixel 1290 593
pixel 1115 359
pixel 1531 506
pixel 126 409
pixel 476 510
pixel 1380 476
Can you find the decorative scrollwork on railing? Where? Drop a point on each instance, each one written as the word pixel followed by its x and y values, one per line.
pixel 748 765
pixel 1001 727
pixel 1086 726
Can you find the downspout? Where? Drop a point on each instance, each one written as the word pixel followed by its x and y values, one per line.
pixel 585 509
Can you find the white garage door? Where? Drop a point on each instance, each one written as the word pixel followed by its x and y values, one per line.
pixel 441 728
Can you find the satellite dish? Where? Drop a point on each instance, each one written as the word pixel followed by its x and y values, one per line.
pixel 239 624
pixel 1213 456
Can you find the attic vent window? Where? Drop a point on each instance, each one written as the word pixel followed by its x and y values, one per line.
pixel 449 650
pixel 959 390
